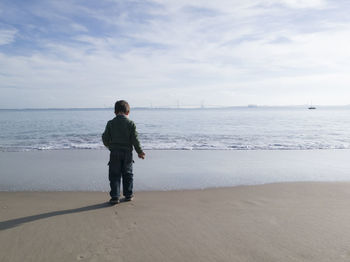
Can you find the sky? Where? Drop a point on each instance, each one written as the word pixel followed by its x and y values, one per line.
pixel 88 53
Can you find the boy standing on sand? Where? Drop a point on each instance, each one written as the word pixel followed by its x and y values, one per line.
pixel 120 136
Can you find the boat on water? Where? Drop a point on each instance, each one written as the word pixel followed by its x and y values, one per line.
pixel 311 107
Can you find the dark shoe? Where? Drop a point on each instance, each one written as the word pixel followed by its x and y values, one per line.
pixel 114 200
pixel 129 198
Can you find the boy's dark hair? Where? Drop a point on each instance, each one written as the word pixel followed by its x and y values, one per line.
pixel 121 106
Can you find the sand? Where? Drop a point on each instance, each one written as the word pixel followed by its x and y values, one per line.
pixel 86 170
pixel 272 222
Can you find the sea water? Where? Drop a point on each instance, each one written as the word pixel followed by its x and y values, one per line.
pixel 265 128
pixel 209 147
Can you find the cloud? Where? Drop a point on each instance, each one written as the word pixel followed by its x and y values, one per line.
pixel 7 36
pixel 86 53
pixel 79 27
pixel 302 3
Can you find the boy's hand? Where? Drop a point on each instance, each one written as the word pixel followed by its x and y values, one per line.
pixel 142 155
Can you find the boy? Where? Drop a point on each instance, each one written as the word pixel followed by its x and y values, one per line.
pixel 119 137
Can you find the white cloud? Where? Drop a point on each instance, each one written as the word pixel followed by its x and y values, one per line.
pixel 302 3
pixel 243 52
pixel 7 36
pixel 79 27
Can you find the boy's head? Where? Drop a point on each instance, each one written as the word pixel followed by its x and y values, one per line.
pixel 121 107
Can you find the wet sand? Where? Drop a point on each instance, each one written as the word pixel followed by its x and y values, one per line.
pixel 87 170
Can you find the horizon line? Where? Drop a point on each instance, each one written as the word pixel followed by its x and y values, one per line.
pixel 170 107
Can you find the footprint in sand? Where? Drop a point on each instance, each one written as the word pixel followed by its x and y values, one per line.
pixel 81 257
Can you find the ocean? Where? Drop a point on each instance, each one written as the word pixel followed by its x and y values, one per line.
pixel 53 150
pixel 241 128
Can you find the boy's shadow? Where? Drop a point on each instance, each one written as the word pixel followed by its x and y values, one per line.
pixel 16 222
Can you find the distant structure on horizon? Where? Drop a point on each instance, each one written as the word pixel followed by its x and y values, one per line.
pixel 311 106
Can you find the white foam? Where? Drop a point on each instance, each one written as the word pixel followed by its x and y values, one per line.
pixel 224 129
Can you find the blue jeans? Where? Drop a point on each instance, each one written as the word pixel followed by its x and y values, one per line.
pixel 120 167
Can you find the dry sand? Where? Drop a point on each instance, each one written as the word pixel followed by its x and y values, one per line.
pixel 274 222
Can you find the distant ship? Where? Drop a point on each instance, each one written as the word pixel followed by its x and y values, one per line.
pixel 312 107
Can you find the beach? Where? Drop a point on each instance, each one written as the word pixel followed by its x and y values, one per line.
pixel 273 222
pixel 56 207
pixel 87 170
pixel 62 213
pixel 237 113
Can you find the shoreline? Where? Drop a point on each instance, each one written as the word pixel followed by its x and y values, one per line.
pixel 87 170
pixel 103 148
pixel 180 190
pixel 303 221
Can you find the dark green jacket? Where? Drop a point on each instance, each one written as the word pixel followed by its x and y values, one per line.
pixel 120 133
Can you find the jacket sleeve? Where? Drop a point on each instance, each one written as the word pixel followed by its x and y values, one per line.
pixel 135 140
pixel 106 136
